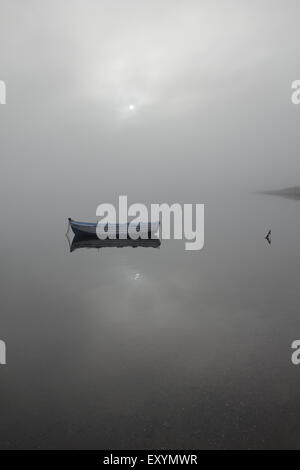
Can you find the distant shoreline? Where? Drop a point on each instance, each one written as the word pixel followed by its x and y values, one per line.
pixel 290 193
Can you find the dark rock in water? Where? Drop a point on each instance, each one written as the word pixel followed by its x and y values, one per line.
pixel 290 193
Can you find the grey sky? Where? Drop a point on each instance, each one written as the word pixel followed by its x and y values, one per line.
pixel 210 82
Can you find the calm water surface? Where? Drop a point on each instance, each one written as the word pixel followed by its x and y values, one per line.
pixel 152 347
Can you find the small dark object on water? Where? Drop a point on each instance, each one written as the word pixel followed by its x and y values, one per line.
pixel 268 237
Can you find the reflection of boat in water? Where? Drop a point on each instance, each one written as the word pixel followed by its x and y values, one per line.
pixel 90 241
pixel 89 228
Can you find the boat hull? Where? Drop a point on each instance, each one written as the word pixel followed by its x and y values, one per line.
pixel 144 230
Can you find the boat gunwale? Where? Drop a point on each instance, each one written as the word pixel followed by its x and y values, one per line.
pixel 127 225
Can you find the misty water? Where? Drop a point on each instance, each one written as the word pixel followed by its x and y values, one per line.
pixel 153 347
pixel 149 347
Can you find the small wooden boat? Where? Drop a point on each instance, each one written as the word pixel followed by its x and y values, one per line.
pixel 145 229
pixel 94 242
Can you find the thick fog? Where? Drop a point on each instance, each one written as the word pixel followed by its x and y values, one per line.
pixel 118 94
